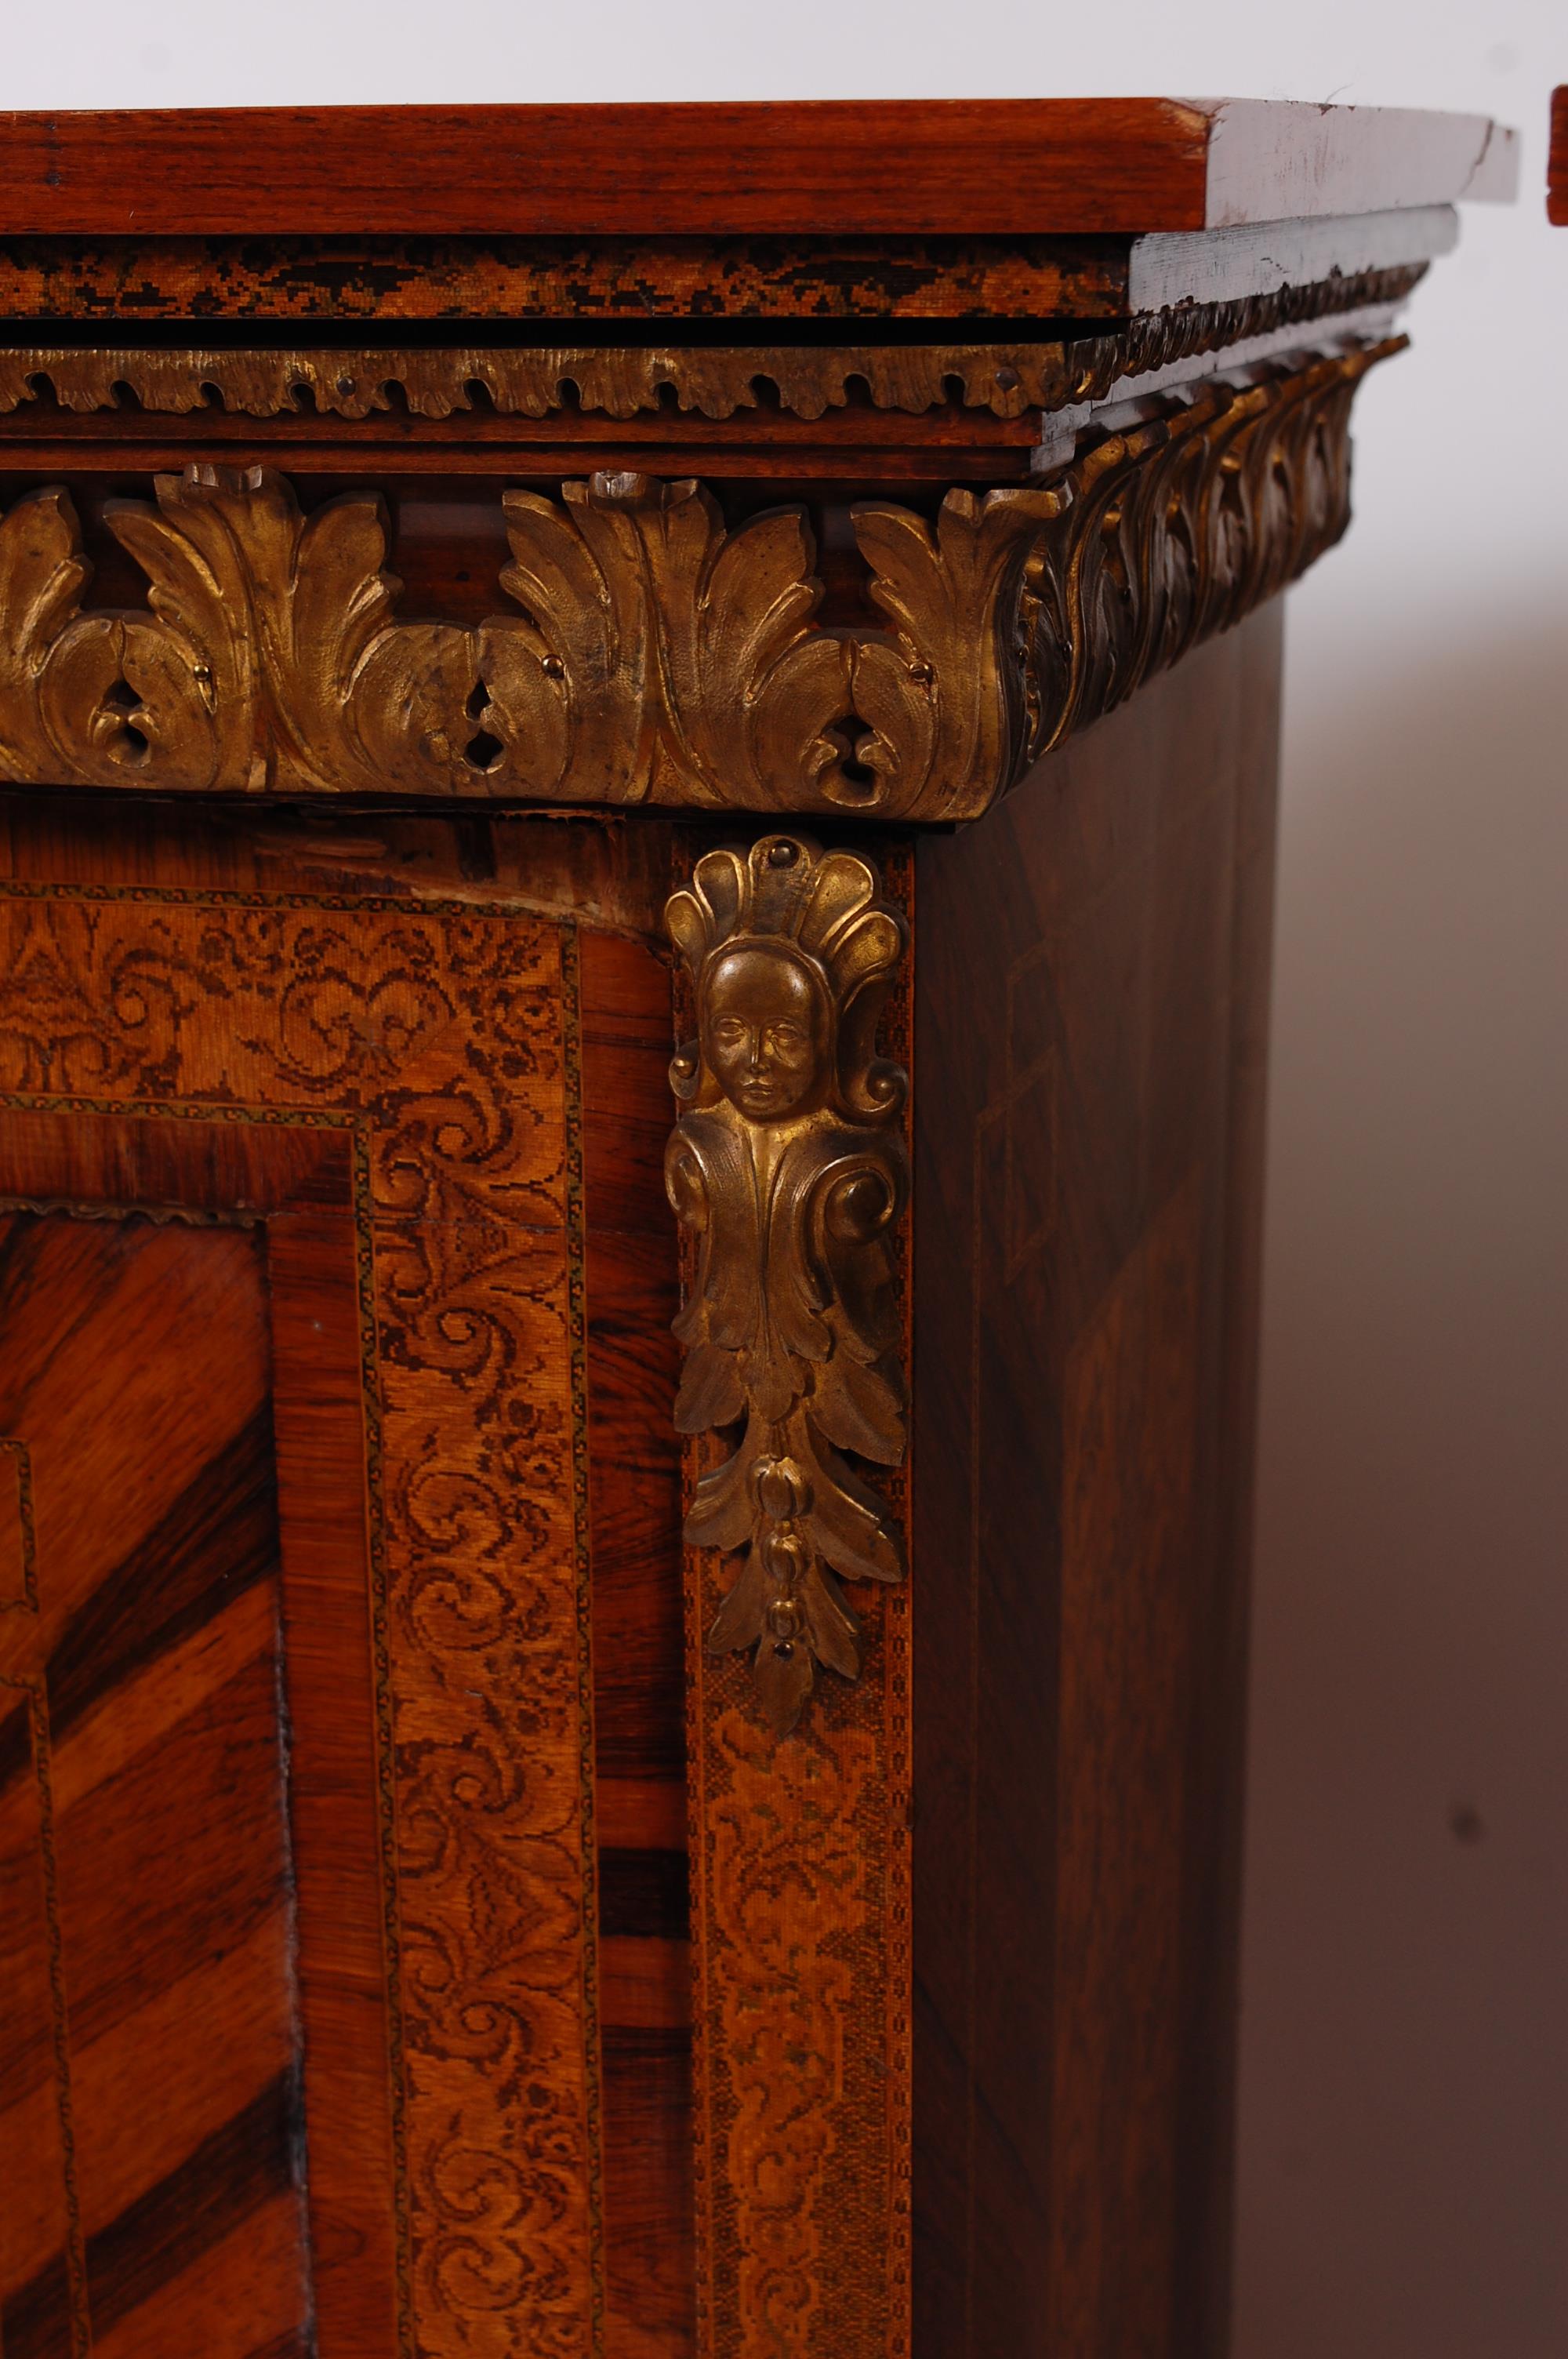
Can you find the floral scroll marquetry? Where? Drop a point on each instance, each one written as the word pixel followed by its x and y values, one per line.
pixel 788 1166
pixel 442 1042
pixel 652 653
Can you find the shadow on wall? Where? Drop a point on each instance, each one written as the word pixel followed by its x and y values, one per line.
pixel 1404 2167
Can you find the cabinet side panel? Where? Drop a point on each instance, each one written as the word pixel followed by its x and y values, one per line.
pixel 1091 980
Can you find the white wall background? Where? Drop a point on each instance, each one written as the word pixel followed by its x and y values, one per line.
pixel 1404 2135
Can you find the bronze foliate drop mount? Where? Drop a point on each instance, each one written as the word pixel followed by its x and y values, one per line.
pixel 788 1165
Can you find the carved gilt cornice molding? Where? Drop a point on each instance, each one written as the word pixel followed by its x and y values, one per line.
pixel 788 1167
pixel 806 381
pixel 651 653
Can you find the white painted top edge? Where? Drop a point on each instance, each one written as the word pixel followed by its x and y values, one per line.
pixel 1225 266
pixel 1289 159
pixel 1122 406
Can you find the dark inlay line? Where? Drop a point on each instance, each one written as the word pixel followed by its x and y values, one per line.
pixel 642 2053
pixel 617 325
pixel 644 1894
pixel 216 1539
pixel 229 2175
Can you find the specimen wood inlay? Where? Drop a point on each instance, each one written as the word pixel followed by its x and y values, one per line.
pixel 465 278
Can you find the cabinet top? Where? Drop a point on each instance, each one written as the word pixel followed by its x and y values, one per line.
pixel 978 167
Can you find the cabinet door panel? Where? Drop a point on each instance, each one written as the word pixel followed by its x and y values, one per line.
pixel 432 1134
pixel 150 2098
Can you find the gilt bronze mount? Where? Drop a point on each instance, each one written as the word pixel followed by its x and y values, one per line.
pixel 653 651
pixel 788 1165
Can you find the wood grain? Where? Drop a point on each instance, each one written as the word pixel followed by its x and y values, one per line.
pixel 908 167
pixel 316 1625
pixel 148 1812
pixel 1088 1049
pixel 841 168
pixel 613 878
pixel 1090 997
pixel 365 1989
pixel 517 1955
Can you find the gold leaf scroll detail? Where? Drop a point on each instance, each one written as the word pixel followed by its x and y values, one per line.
pixel 789 1168
pixel 658 656
pixel 654 655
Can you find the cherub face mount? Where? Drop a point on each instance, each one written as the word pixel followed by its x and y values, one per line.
pixel 789 1165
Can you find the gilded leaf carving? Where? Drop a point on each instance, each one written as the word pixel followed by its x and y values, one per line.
pixel 653 654
pixel 86 699
pixel 664 659
pixel 268 657
pixel 1179 529
pixel 944 692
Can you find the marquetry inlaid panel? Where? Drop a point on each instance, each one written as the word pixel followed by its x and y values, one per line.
pixel 370 1116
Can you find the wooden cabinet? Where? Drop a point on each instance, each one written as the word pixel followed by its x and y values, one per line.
pixel 636 783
